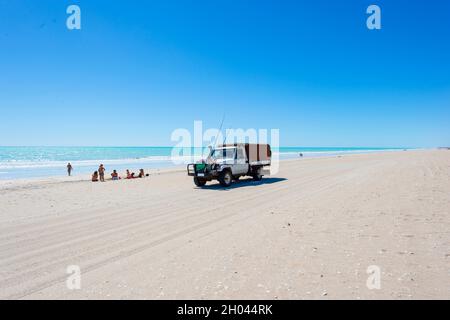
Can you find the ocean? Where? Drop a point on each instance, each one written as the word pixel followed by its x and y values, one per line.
pixel 36 162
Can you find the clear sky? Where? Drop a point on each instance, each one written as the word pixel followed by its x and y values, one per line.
pixel 137 70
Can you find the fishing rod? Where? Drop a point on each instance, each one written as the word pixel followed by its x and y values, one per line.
pixel 225 137
pixel 220 130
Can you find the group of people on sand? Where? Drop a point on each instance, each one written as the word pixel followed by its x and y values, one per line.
pixel 99 175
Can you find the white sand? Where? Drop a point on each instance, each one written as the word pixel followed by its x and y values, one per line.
pixel 310 232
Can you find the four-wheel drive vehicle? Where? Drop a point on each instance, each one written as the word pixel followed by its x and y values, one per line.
pixel 230 162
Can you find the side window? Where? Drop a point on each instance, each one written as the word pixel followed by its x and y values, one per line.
pixel 240 154
pixel 228 153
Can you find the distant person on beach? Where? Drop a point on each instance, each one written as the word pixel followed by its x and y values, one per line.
pixel 142 174
pixel 130 175
pixel 69 169
pixel 101 172
pixel 115 175
pixel 95 176
pixel 301 155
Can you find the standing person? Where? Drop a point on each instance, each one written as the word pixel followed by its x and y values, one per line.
pixel 69 169
pixel 101 173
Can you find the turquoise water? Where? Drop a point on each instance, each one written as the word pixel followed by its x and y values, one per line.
pixel 33 162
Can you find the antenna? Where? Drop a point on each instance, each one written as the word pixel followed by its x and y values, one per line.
pixel 220 129
pixel 225 137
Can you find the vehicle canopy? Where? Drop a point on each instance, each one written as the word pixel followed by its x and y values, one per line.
pixel 256 152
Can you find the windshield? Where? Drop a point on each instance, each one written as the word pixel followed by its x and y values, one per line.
pixel 221 154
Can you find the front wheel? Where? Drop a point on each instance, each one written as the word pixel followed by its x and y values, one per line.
pixel 225 178
pixel 199 182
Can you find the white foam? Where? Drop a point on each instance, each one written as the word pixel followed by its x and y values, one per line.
pixel 19 164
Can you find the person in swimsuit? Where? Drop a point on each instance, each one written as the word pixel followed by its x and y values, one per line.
pixel 115 175
pixel 101 173
pixel 69 169
pixel 95 176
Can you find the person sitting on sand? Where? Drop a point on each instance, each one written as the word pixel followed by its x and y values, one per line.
pixel 130 175
pixel 142 174
pixel 95 176
pixel 115 175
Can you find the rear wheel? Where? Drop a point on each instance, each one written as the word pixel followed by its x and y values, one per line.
pixel 199 182
pixel 225 178
pixel 257 176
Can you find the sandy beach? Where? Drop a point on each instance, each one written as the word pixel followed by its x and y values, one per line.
pixel 310 232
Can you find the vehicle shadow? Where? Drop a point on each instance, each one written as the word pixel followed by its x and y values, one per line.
pixel 242 183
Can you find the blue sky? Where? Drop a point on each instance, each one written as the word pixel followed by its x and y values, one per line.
pixel 137 70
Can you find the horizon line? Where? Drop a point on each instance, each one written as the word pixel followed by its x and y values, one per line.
pixel 161 146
